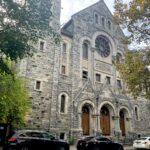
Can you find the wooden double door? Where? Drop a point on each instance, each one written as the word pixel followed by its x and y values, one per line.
pixel 105 121
pixel 122 122
pixel 86 120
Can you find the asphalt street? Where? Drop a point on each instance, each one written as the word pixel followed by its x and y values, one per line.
pixel 74 148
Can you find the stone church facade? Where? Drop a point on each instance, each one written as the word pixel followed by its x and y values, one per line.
pixel 75 88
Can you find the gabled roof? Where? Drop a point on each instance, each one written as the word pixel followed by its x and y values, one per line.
pixel 94 5
pixel 68 28
pixel 65 30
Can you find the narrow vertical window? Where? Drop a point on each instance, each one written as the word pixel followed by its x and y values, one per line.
pixel 136 113
pixel 85 75
pixel 96 18
pixel 62 104
pixel 85 51
pixel 41 45
pixel 109 25
pixel 38 85
pixel 119 57
pixel 103 21
pixel 64 47
pixel 108 80
pixel 98 77
pixel 119 85
pixel 63 69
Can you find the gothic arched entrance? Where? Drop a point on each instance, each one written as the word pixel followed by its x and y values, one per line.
pixel 105 120
pixel 122 122
pixel 85 120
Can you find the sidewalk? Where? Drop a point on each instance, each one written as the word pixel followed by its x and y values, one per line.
pixel 126 147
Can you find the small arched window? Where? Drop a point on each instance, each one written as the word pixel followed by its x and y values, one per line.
pixel 119 57
pixel 96 18
pixel 64 47
pixel 62 103
pixel 109 25
pixel 136 113
pixel 103 21
pixel 85 50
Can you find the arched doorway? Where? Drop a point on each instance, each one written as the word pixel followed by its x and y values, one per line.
pixel 122 122
pixel 85 120
pixel 105 120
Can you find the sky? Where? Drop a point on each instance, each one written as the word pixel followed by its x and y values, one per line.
pixel 70 7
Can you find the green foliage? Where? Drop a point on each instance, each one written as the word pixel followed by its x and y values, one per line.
pixel 135 73
pixel 134 15
pixel 21 25
pixel 13 100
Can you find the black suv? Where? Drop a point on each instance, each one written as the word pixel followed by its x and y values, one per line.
pixel 33 140
pixel 97 143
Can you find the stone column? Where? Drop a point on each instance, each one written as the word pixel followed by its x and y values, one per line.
pixel 117 131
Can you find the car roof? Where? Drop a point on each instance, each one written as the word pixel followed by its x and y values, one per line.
pixel 29 130
pixel 99 136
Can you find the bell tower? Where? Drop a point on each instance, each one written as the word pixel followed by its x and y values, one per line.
pixel 56 8
pixel 42 73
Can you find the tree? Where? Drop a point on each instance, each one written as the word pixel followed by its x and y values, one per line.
pixel 21 25
pixel 13 100
pixel 135 72
pixel 135 16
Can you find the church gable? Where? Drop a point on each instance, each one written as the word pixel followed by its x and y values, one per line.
pixel 99 7
pixel 96 17
pixel 93 18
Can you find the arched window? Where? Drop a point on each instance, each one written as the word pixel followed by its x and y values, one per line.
pixel 62 103
pixel 136 113
pixel 96 18
pixel 64 47
pixel 119 57
pixel 109 25
pixel 103 21
pixel 85 50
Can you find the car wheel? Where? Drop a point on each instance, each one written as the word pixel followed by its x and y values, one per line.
pixel 96 148
pixel 120 148
pixel 24 148
pixel 61 148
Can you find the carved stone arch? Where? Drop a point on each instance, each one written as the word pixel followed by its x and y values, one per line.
pixel 66 102
pixel 85 38
pixel 65 43
pixel 113 112
pixel 124 120
pixel 107 114
pixel 86 102
pixel 86 109
pixel 126 108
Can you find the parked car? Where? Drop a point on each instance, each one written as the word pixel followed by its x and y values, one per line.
pixel 33 140
pixel 142 143
pixel 98 143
